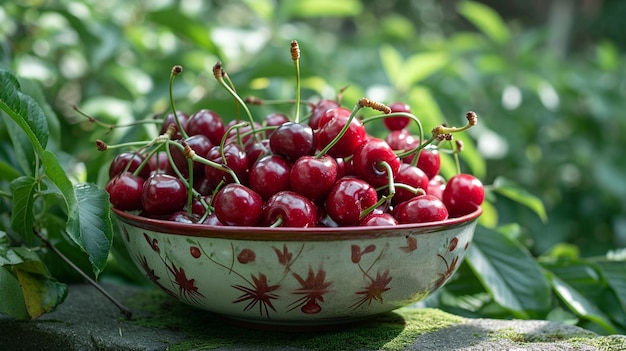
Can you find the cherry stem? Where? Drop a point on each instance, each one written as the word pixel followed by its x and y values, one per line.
pixel 414 190
pixel 343 130
pixel 295 56
pixel 219 74
pixel 112 126
pixel 398 114
pixel 124 310
pixel 176 70
pixel 386 198
pixel 102 146
pixel 279 221
pixel 234 127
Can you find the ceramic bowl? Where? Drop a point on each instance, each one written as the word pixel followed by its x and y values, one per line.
pixel 297 276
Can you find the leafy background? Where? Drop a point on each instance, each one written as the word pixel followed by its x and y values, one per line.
pixel 547 80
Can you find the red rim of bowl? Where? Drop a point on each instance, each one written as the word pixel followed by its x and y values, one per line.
pixel 288 233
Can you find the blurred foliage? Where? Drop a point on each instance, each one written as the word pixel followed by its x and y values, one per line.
pixel 549 121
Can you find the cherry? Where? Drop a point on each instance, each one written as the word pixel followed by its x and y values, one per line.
pixel 238 205
pixel 312 176
pixel 463 194
pixel 236 160
pixel 378 219
pixel 293 140
pixel 409 175
pixel 269 175
pixel 125 191
pixel 421 209
pixel 318 110
pixel 257 150
pixel 207 123
pixel 212 220
pixel 330 125
pixel 201 145
pixel 368 162
pixel 163 194
pixel 160 163
pixel 436 185
pixel 429 161
pixel 130 159
pixel 291 208
pixel 170 120
pixel 400 139
pixel 348 198
pixel 397 122
pixel 233 136
pixel 275 119
pixel 183 217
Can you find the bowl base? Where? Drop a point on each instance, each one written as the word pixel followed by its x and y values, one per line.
pixel 298 326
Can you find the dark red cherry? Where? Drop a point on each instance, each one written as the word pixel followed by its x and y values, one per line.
pixel 420 209
pixel 292 209
pixel 257 150
pixel 463 194
pixel 163 194
pixel 348 198
pixel 409 175
pixel 429 161
pixel 170 120
pixel 235 159
pixel 293 140
pixel 397 122
pixel 331 124
pixel 436 185
pixel 269 175
pixel 200 144
pixel 125 191
pixel 400 139
pixel 244 133
pixel 132 160
pixel 183 217
pixel 274 119
pixel 378 220
pixel 207 123
pixel 368 159
pixel 211 219
pixel 312 176
pixel 318 110
pixel 238 205
pixel 159 163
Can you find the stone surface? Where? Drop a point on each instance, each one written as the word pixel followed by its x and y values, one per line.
pixel 87 321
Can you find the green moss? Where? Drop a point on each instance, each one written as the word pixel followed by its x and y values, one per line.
pixel 604 343
pixel 392 331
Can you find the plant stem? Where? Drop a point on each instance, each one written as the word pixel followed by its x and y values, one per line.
pixel 124 310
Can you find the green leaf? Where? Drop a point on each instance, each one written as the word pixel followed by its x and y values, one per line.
pixel 42 293
pixel 96 229
pixel 23 109
pixel 419 66
pixel 579 304
pixel 7 172
pixel 392 62
pixel 509 273
pixel 8 256
pixel 23 190
pixel 518 194
pixel 11 298
pixel 486 19
pixel 323 8
pixel 615 274
pixel 187 27
pixel 32 89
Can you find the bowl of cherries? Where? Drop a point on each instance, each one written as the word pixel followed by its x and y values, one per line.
pixel 304 221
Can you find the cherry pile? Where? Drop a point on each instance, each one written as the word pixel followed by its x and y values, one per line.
pixel 323 170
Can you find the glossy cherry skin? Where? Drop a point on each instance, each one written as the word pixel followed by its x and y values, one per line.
pixel 400 139
pixel 207 123
pixel 463 194
pixel 421 209
pixel 409 175
pixel 378 220
pixel 330 125
pixel 183 217
pixel 257 150
pixel 236 160
pixel 348 198
pixel 159 163
pixel 293 209
pixel 121 161
pixel 163 194
pixel 125 191
pixel 313 176
pixel 269 175
pixel 367 162
pixel 318 110
pixel 238 205
pixel 170 120
pixel 429 161
pixel 274 119
pixel 436 185
pixel 293 140
pixel 201 145
pixel 397 122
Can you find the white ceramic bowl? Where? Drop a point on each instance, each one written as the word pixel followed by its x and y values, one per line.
pixel 297 276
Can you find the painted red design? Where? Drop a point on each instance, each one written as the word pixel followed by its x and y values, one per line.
pixel 246 256
pixel 375 290
pixel 411 244
pixel 195 251
pixel 154 243
pixel 258 294
pixel 450 268
pixel 453 243
pixel 284 256
pixel 187 288
pixel 312 288
pixel 357 252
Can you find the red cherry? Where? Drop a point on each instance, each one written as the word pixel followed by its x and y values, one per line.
pixel 269 175
pixel 292 208
pixel 348 198
pixel 368 159
pixel 409 175
pixel 163 194
pixel 421 209
pixel 331 123
pixel 312 176
pixel 318 110
pixel 132 160
pixel 170 120
pixel 400 139
pixel 397 122
pixel 293 140
pixel 429 161
pixel 436 185
pixel 125 191
pixel 183 217
pixel 257 150
pixel 207 123
pixel 236 160
pixel 201 145
pixel 463 194
pixel 275 119
pixel 238 205
pixel 378 219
